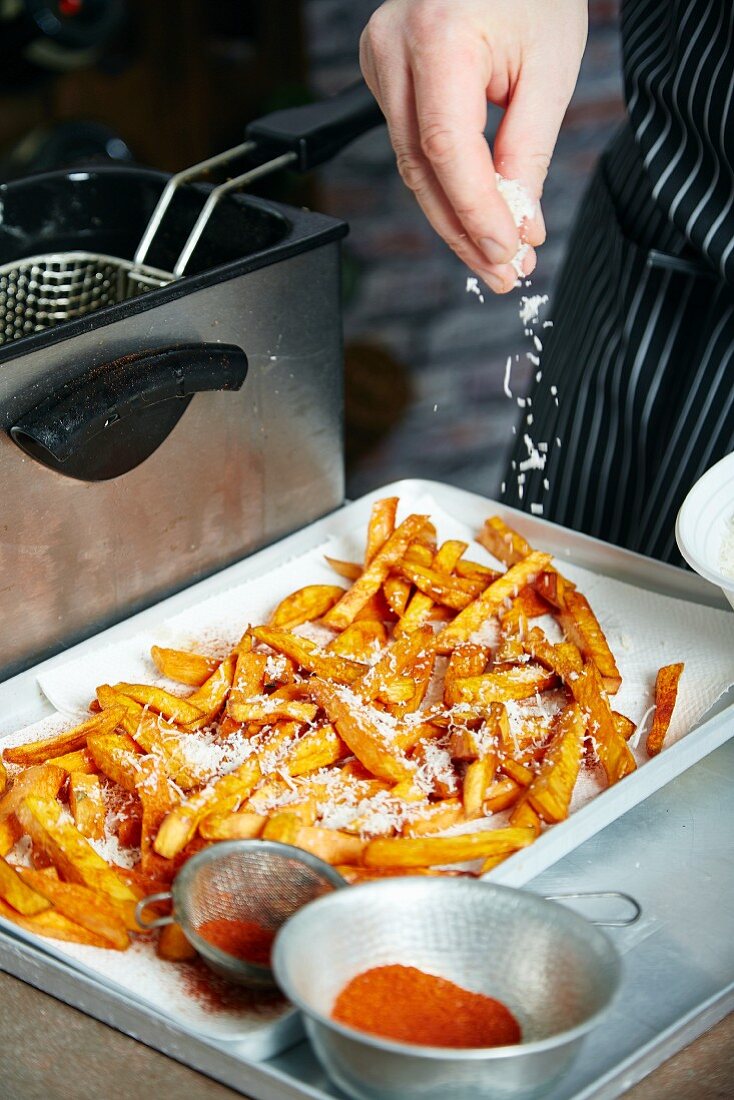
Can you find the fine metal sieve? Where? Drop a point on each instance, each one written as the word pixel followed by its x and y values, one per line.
pixel 555 972
pixel 261 881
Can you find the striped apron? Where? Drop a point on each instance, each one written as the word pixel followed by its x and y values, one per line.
pixel 635 397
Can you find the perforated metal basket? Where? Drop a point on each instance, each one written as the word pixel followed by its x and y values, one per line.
pixel 41 291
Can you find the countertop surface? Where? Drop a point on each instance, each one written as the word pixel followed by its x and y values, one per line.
pixel 49 1050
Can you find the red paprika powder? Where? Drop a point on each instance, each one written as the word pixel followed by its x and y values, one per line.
pixel 404 1004
pixel 245 939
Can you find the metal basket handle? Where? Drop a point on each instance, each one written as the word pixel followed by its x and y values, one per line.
pixel 196 171
pixel 144 903
pixel 583 894
pixel 303 136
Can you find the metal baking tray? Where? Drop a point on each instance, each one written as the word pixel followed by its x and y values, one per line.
pixel 294 1073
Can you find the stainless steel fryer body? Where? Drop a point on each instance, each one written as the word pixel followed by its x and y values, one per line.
pixel 239 469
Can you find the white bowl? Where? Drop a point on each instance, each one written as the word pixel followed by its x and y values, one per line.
pixel 703 522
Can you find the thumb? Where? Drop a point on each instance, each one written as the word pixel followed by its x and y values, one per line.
pixel 527 137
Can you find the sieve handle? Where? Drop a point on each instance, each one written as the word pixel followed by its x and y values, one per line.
pixel 143 904
pixel 635 906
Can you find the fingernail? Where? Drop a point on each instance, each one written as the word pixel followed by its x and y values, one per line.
pixel 529 262
pixel 494 251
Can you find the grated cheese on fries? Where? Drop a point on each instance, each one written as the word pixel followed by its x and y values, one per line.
pixel 379 724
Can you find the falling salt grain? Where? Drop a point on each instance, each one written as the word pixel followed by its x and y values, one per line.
pixel 529 309
pixel 536 509
pixel 472 287
pixel 535 460
pixel 508 370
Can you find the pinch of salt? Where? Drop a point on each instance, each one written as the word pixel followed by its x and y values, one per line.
pixel 522 207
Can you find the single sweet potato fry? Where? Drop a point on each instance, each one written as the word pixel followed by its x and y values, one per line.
pixel 39 752
pixel 434 851
pixel 18 893
pixel 305 604
pixel 54 925
pixel 173 945
pixel 242 825
pixel 90 909
pixel 43 781
pixel 87 805
pixel 551 789
pixel 581 627
pixel 192 669
pixel 666 693
pixel 380 527
pixel 170 706
pixel 69 851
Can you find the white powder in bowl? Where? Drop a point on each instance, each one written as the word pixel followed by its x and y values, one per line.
pixel 726 554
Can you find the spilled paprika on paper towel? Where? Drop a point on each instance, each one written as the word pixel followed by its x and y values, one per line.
pixel 245 939
pixel 405 1004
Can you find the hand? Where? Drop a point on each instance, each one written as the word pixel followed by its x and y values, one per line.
pixel 432 65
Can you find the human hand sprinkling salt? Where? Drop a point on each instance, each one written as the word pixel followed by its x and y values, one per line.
pixel 433 65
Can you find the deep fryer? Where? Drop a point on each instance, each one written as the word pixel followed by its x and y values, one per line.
pixel 151 441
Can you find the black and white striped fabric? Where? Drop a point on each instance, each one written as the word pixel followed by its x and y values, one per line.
pixel 636 397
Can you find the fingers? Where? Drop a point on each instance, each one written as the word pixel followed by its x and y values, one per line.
pixel 451 117
pixel 396 96
pixel 527 136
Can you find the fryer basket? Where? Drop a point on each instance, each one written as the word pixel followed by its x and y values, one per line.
pixel 41 291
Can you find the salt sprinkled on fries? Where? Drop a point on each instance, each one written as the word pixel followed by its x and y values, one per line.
pixel 381 725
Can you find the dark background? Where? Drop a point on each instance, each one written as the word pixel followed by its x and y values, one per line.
pixel 425 360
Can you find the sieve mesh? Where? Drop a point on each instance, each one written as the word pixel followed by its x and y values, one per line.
pixel 42 291
pixel 263 887
pixel 260 881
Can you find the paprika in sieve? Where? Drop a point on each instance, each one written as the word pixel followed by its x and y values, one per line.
pixel 409 1006
pixel 245 939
